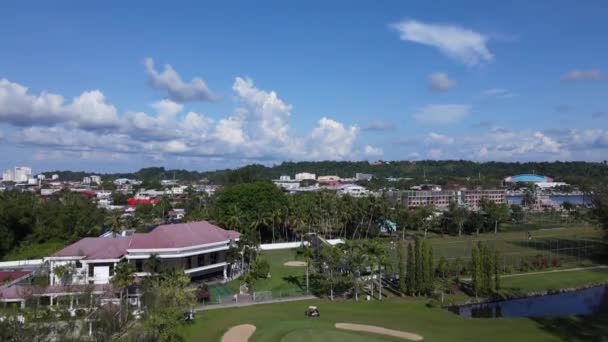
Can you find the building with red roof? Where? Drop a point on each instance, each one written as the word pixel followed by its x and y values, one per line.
pixel 199 248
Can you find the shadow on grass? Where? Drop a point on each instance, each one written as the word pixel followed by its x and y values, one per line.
pixel 297 281
pixel 580 248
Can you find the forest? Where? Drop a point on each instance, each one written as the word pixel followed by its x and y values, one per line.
pixel 440 172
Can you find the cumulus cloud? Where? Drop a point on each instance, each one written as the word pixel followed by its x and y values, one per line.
pixel 372 151
pixel 257 129
pixel 20 108
pixel 464 45
pixel 442 113
pixel 583 75
pixel 332 140
pixel 440 81
pixel 177 90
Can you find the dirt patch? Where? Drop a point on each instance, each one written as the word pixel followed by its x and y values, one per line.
pixel 239 333
pixel 379 330
pixel 295 264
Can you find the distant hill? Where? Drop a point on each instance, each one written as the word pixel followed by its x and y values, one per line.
pixel 441 172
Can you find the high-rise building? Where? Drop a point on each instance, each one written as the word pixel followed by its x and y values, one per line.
pixel 19 174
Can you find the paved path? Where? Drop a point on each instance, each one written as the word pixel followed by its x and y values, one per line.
pixel 242 304
pixel 551 271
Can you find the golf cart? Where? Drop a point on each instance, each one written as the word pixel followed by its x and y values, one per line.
pixel 312 311
pixel 189 316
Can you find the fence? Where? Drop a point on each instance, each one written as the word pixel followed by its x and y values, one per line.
pixel 292 245
pixel 522 255
pixel 225 297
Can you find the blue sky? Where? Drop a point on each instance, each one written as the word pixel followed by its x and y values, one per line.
pixel 114 87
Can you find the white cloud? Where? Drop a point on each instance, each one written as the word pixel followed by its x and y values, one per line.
pixel 89 110
pixel 499 92
pixel 371 151
pixel 583 75
pixel 436 138
pixel 442 113
pixel 177 89
pixel 464 45
pixel 440 81
pixel 332 140
pixel 258 128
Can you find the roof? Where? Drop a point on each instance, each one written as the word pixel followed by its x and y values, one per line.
pixel 97 248
pixel 8 276
pixel 182 235
pixel 529 178
pixel 166 236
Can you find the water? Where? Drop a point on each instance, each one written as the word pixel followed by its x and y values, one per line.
pixel 582 302
pixel 575 199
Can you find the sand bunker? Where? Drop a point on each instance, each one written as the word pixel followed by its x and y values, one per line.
pixel 379 330
pixel 239 333
pixel 295 264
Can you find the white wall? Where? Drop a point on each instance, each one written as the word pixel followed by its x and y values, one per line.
pixel 291 245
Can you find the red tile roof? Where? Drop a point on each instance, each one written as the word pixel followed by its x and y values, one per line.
pixel 97 248
pixel 165 236
pixel 182 235
pixel 8 276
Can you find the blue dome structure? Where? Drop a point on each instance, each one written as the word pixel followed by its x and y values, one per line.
pixel 528 178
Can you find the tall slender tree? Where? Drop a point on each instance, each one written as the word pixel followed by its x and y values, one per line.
pixel 476 270
pixel 418 268
pixel 401 266
pixel 410 276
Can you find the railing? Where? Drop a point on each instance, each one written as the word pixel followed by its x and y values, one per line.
pixel 21 263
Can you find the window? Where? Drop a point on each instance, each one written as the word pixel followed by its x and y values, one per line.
pixel 78 264
pixel 91 267
pixel 200 260
pixel 188 262
pixel 139 265
pixel 213 257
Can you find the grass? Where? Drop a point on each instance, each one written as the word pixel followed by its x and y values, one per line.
pixel 279 322
pixel 283 279
pixel 286 322
pixel 554 281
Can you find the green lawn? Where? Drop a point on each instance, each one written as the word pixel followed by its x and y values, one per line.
pixel 554 281
pixel 280 322
pixel 284 280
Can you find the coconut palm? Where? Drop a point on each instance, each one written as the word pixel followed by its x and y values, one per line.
pixel 122 279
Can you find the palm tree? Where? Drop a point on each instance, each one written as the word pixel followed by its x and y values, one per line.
pixel 332 257
pixel 306 253
pixel 122 279
pixel 113 222
pixel 153 264
pixel 356 259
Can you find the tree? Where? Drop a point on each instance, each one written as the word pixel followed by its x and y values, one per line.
pixel 410 280
pixel 401 266
pixel 496 269
pixel 154 264
pixel 122 279
pixel 166 301
pixel 305 253
pixel 476 270
pixel 418 267
pixel 332 257
pixel 458 215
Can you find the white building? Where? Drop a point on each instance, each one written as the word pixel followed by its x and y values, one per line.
pixel 19 174
pixel 96 179
pixel 41 177
pixel 305 176
pixel 285 178
pixel 86 180
pixel 363 176
pixel 353 190
pixel 55 177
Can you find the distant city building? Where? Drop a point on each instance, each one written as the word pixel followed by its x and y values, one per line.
pixel 285 178
pixel 86 180
pixel 550 185
pixel 470 199
pixel 363 176
pixel 41 177
pixel 305 176
pixel 19 174
pixel 55 177
pixel 96 179
pixel 328 179
pixel 353 190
